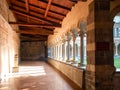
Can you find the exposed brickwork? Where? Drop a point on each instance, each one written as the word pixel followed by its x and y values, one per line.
pixel 32 50
pixel 117 81
pixel 9 41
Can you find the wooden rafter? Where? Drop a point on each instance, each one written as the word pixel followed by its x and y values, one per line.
pixel 25 38
pixel 40 14
pixel 34 17
pixel 35 28
pixel 48 6
pixel 35 6
pixel 35 32
pixel 33 25
pixel 77 0
pixel 27 8
pixel 57 5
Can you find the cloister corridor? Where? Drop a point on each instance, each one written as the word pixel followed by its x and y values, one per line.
pixel 37 75
pixel 59 44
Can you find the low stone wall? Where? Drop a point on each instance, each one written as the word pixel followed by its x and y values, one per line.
pixel 74 73
pixel 117 81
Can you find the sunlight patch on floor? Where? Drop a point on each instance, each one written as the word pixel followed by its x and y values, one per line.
pixel 30 71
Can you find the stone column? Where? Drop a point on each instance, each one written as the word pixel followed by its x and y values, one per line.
pixel 68 51
pixel 74 38
pixel 51 53
pixel 74 35
pixel 54 52
pixel 116 49
pixel 68 46
pixel 63 50
pixel 82 34
pixel 65 57
pixel 100 64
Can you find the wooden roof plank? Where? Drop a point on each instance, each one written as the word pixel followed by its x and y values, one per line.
pixel 34 17
pixel 27 8
pixel 35 32
pixel 48 7
pixel 57 5
pixel 38 7
pixel 33 25
pixel 57 20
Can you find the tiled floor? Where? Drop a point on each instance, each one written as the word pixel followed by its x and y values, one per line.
pixel 37 75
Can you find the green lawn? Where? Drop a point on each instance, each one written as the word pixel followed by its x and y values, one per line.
pixel 117 62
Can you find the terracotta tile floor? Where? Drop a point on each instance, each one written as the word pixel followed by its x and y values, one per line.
pixel 37 75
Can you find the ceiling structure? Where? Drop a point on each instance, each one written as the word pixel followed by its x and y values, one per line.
pixel 38 18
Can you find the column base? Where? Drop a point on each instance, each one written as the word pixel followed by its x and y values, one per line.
pixel 15 69
pixel 74 62
pixel 68 61
pixel 81 65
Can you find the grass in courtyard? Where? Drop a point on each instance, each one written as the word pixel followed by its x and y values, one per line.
pixel 117 62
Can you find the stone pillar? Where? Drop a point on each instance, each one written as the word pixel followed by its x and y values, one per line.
pixel 81 49
pixel 68 46
pixel 46 51
pixel 73 60
pixel 68 51
pixel 116 49
pixel 54 52
pixel 100 64
pixel 51 51
pixel 58 51
pixel 63 50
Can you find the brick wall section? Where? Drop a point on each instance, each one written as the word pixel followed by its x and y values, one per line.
pixel 73 73
pixel 99 47
pixel 117 81
pixel 32 50
pixel 9 40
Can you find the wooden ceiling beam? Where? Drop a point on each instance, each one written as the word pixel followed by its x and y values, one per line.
pixel 57 5
pixel 34 17
pixel 77 0
pixel 25 38
pixel 35 32
pixel 48 7
pixel 35 28
pixel 27 5
pixel 27 8
pixel 33 25
pixel 32 5
pixel 33 11
pixel 33 40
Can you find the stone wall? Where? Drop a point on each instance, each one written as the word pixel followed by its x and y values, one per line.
pixel 9 41
pixel 74 73
pixel 117 81
pixel 32 50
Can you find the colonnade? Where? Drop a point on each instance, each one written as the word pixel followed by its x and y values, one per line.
pixel 66 49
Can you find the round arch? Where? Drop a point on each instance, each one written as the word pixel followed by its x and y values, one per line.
pixel 113 13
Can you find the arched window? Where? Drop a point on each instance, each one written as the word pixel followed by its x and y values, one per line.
pixel 116 32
